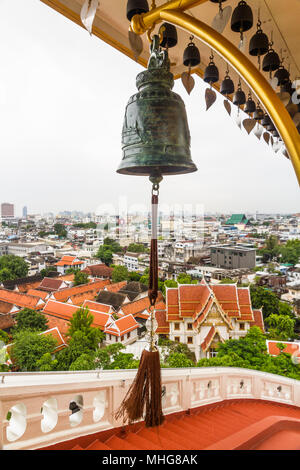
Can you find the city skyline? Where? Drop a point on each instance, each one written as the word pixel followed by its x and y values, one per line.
pixel 62 118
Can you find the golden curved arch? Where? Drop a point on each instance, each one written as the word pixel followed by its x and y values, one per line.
pixel 245 68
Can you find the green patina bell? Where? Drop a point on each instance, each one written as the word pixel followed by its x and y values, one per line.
pixel 155 136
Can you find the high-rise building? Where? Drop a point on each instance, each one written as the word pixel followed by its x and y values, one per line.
pixel 24 212
pixel 7 210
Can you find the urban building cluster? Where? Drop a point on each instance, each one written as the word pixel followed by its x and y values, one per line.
pixel 213 250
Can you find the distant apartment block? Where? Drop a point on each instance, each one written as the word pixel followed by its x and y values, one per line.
pixel 232 256
pixel 7 211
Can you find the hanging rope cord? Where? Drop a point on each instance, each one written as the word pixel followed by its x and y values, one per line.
pixel 153 272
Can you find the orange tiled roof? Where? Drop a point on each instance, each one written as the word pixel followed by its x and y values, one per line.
pixel 290 348
pixel 38 293
pixel 172 304
pixel 192 298
pixel 163 325
pixel 258 319
pixel 21 300
pixel 96 286
pixel 123 325
pixel 245 304
pixel 66 311
pixel 226 294
pixel 139 308
pixel 97 306
pixel 208 339
pixel 116 286
pixel 50 284
pixel 60 343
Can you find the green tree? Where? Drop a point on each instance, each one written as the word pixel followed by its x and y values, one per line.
pixel 49 269
pixel 271 249
pixel 227 280
pixel 82 321
pixel 105 254
pixel 12 267
pixel 29 347
pixel 280 327
pixel 60 230
pixel 185 279
pixel 261 297
pixel 4 337
pixel 136 248
pixel 80 278
pixel 46 363
pixel 83 362
pixel 28 319
pixel 120 273
pixel 177 359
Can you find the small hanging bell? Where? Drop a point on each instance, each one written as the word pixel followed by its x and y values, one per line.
pixel 259 43
pixel 266 120
pixel 136 7
pixel 227 86
pixel 155 135
pixel 239 98
pixel 270 127
pixel 191 54
pixel 271 61
pixel 169 35
pixel 211 72
pixel 282 75
pixel 287 87
pixel 250 106
pixel 258 114
pixel 242 18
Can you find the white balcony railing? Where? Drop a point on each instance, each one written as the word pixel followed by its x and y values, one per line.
pixel 34 407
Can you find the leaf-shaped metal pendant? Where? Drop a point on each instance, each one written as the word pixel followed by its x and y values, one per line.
pixel 88 12
pixel 249 124
pixel 210 97
pixel 296 119
pixel 258 131
pixel 187 81
pixel 221 19
pixel 227 106
pixel 266 137
pixel 284 97
pixel 271 141
pixel 285 154
pixel 136 44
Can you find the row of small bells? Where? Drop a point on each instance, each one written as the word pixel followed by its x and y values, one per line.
pixel 241 21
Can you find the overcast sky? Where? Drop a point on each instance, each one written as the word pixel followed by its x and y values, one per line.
pixel 62 101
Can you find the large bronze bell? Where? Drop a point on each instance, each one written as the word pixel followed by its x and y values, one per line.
pixel 155 135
